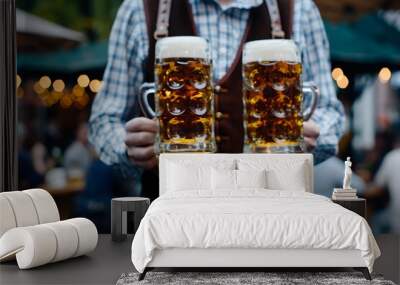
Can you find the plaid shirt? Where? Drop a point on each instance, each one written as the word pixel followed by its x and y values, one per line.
pixel 223 26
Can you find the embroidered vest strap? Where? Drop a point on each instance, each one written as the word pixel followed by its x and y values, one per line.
pixel 180 23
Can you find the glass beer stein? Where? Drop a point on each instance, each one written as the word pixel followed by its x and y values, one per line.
pixel 183 95
pixel 273 97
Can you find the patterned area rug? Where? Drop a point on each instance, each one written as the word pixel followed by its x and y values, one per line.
pixel 242 278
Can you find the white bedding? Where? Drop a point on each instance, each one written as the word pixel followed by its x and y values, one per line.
pixel 250 219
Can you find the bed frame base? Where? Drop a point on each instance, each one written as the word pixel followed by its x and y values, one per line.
pixel 363 270
pixel 251 259
pixel 143 274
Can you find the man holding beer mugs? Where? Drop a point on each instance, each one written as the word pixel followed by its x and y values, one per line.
pixel 124 136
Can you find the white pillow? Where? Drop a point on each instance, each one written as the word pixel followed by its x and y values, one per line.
pixel 282 174
pixel 193 175
pixel 182 177
pixel 230 180
pixel 251 178
pixel 293 180
pixel 223 179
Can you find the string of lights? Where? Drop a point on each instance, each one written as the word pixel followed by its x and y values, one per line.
pixel 342 81
pixel 53 92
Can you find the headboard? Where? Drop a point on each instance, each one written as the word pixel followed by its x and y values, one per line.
pixel 209 158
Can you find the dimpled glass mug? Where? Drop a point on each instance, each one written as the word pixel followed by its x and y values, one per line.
pixel 183 95
pixel 273 97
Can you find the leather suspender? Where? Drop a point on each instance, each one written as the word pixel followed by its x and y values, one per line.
pixel 180 23
pixel 275 18
pixel 164 10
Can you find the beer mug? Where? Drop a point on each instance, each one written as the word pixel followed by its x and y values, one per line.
pixel 183 96
pixel 273 97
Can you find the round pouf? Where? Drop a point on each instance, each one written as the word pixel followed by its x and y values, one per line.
pixel 119 215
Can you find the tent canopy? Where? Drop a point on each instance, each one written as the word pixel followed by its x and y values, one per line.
pixel 370 40
pixel 91 56
pixel 34 25
pixel 35 34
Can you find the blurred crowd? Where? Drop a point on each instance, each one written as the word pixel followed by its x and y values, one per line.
pixel 376 177
pixel 71 173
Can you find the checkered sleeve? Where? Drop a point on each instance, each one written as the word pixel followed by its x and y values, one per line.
pixel 329 114
pixel 116 102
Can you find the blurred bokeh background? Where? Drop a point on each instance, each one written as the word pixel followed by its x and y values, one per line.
pixel 62 53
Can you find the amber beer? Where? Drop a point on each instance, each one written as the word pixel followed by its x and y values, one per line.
pixel 184 97
pixel 272 97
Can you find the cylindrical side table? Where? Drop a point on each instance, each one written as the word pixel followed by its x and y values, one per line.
pixel 119 213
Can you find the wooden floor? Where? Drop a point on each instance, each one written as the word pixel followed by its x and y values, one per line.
pixel 110 260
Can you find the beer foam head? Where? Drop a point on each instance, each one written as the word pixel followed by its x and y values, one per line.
pixel 183 47
pixel 270 50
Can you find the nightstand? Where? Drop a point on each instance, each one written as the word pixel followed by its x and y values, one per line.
pixel 358 205
pixel 120 208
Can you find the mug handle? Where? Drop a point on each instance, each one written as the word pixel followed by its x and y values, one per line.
pixel 310 87
pixel 145 91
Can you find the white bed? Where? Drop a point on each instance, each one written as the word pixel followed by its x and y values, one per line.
pixel 248 227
